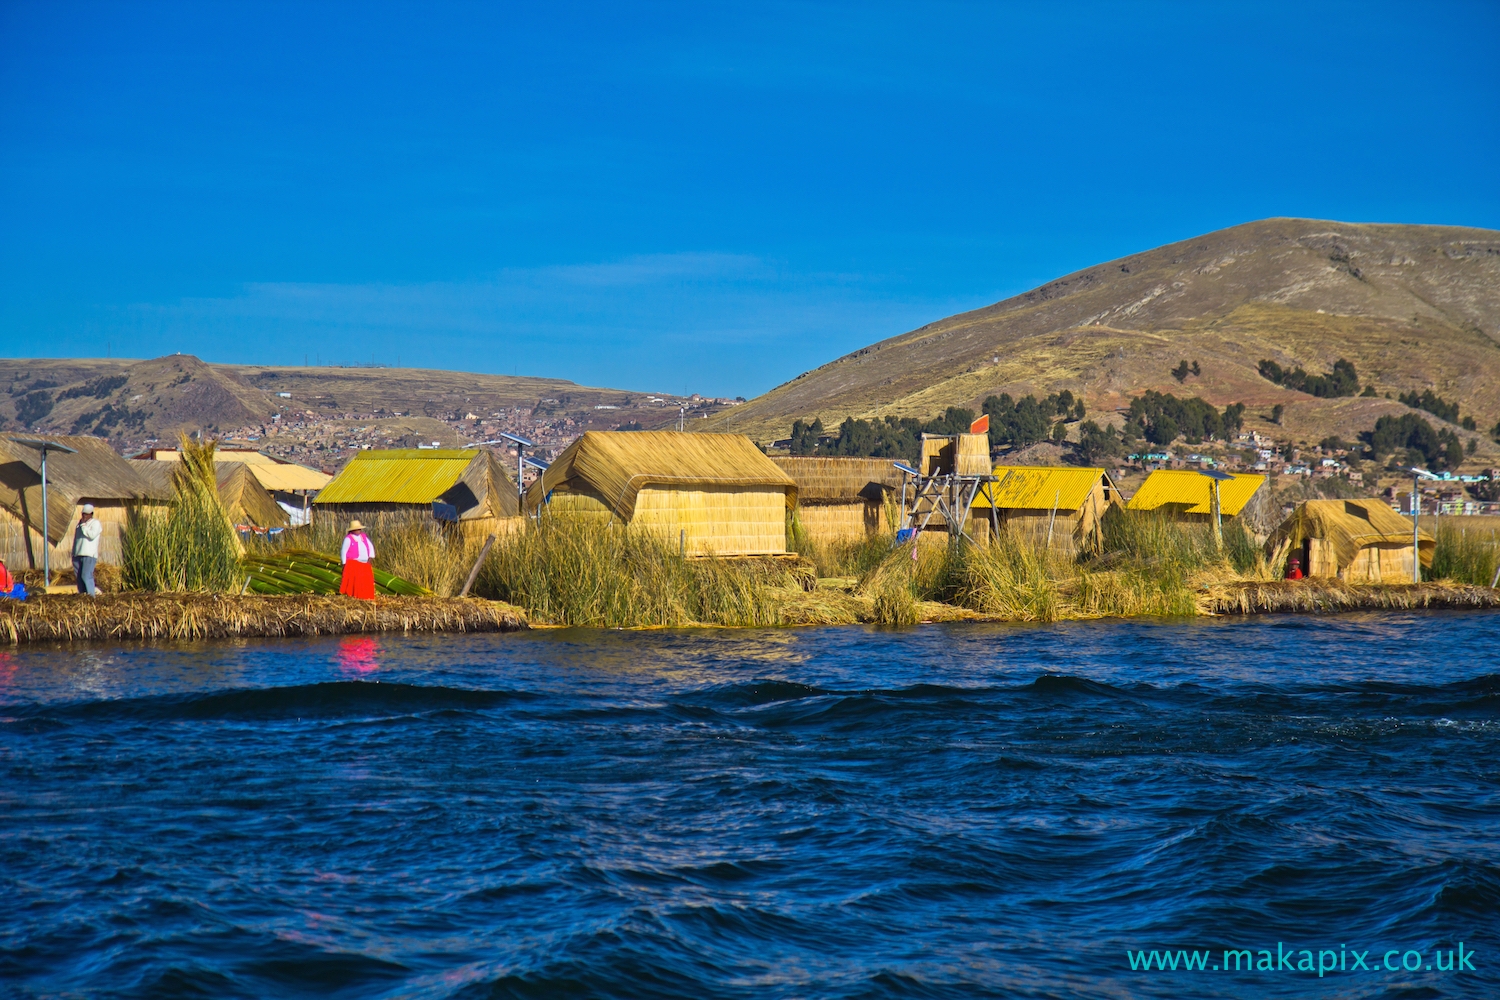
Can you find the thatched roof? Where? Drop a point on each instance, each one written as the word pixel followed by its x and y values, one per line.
pixel 1349 525
pixel 94 473
pixel 244 498
pixel 273 473
pixel 618 464
pixel 1038 487
pixel 1189 491
pixel 484 490
pixel 840 480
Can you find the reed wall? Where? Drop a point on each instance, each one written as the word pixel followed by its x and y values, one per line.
pixel 22 552
pixel 840 522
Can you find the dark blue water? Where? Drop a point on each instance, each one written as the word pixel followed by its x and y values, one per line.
pixel 952 811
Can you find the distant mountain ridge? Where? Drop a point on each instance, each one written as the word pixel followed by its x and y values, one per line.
pixel 130 400
pixel 1413 307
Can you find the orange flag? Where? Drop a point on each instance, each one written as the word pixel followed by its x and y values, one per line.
pixel 980 426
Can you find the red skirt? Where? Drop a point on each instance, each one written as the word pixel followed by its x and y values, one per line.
pixel 358 580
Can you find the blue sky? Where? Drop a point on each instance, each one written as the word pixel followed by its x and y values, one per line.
pixel 701 197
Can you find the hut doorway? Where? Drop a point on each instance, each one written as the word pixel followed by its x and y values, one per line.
pixel 1307 557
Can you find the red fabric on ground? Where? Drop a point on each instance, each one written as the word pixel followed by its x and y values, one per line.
pixel 358 580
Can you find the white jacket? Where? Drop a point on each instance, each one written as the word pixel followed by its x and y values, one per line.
pixel 86 538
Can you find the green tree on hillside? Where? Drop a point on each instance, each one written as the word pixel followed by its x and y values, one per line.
pixel 1342 381
pixel 1414 440
pixel 1161 417
pixel 806 436
pixel 1432 403
pixel 1096 443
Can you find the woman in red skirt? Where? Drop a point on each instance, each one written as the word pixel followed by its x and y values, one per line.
pixel 358 554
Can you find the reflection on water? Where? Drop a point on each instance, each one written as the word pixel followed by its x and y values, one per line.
pixel 958 811
pixel 358 655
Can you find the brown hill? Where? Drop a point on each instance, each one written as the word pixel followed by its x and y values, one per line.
pixel 1414 307
pixel 130 401
pixel 112 398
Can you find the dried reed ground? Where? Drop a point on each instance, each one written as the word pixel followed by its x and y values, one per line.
pixel 229 616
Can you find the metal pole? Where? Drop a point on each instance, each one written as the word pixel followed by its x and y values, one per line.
pixel 1416 550
pixel 46 541
pixel 1213 485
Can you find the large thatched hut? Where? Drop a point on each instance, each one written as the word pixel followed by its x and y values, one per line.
pixel 1185 495
pixel 1032 501
pixel 1356 541
pixel 468 485
pixel 842 499
pixel 93 474
pixel 712 494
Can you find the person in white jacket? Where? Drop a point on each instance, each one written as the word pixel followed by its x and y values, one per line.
pixel 86 550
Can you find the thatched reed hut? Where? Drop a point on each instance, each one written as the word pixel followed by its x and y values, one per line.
pixel 842 499
pixel 466 486
pixel 1184 495
pixel 246 501
pixel 713 494
pixel 94 474
pixel 290 485
pixel 1035 502
pixel 275 474
pixel 1356 541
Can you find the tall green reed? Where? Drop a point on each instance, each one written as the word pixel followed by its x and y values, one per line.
pixel 1465 556
pixel 569 572
pixel 191 545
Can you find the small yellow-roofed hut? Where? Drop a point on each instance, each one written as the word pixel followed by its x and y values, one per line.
pixel 468 485
pixel 1031 500
pixel 841 499
pixel 712 494
pixel 1185 495
pixel 1356 541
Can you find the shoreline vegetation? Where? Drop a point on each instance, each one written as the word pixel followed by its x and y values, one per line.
pixel 180 582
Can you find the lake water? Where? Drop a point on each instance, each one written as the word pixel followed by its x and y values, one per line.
pixel 947 811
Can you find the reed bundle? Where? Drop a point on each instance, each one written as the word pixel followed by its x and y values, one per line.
pixel 411 547
pixel 232 616
pixel 299 571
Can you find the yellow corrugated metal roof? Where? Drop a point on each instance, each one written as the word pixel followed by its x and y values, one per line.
pixel 1184 486
pixel 1039 487
pixel 397 475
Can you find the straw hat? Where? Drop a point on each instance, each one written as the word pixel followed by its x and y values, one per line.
pixel 354 525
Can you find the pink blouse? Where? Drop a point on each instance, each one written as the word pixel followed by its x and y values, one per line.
pixel 358 547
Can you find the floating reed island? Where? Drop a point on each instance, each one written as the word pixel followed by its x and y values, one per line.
pixel 1254 597
pixel 173 616
pixel 185 574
